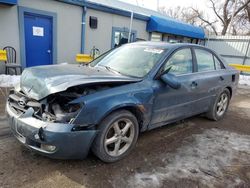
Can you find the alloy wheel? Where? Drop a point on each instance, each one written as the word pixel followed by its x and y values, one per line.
pixel 222 104
pixel 119 137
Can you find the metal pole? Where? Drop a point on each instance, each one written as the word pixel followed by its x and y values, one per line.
pixel 130 26
pixel 84 9
pixel 245 57
pixel 206 43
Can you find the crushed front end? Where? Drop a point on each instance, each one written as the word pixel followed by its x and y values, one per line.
pixel 47 126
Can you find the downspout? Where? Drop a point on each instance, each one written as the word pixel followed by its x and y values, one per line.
pixel 208 38
pixel 130 27
pixel 84 10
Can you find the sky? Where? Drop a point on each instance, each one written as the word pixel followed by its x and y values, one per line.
pixel 152 4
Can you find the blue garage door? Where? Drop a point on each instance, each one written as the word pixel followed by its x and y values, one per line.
pixel 38 40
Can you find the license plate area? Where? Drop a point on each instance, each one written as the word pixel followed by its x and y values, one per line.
pixel 16 129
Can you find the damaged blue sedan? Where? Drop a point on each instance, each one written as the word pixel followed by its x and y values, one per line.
pixel 65 110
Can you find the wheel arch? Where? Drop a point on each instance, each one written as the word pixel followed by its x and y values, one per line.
pixel 135 109
pixel 230 90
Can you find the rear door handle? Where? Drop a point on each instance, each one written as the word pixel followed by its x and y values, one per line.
pixel 194 85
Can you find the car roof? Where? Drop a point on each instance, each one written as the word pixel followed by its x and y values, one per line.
pixel 164 44
pixel 174 46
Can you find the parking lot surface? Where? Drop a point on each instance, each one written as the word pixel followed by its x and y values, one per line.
pixel 195 152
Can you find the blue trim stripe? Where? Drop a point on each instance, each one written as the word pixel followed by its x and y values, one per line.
pixel 8 2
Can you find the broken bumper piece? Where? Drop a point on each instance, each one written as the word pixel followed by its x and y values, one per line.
pixel 55 140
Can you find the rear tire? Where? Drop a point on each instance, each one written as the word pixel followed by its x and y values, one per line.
pixel 219 108
pixel 117 136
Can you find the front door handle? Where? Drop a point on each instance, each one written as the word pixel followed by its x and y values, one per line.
pixel 194 85
pixel 49 51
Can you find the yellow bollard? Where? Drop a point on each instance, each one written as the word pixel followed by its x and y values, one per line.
pixel 245 68
pixel 83 58
pixel 3 55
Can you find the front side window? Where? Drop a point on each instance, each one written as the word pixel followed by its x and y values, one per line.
pixel 130 60
pixel 180 62
pixel 205 61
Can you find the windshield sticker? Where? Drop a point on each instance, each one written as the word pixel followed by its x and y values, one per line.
pixel 153 50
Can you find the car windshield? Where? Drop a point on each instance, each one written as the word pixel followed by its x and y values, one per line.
pixel 130 60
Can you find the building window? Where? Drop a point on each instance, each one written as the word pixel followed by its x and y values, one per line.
pixel 176 39
pixel 156 36
pixel 202 42
pixel 194 41
pixel 120 36
pixel 186 40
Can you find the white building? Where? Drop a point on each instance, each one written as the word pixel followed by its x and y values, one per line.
pixel 54 31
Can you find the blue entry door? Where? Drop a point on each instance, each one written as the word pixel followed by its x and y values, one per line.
pixel 38 40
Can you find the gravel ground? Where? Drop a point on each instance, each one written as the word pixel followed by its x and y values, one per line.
pixel 193 153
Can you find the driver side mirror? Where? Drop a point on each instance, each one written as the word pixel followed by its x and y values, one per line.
pixel 171 80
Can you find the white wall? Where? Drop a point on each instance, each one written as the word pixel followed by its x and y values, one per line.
pixel 69 22
pixel 9 32
pixel 69 19
pixel 101 37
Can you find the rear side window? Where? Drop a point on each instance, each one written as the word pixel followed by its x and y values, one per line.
pixel 217 63
pixel 180 62
pixel 205 60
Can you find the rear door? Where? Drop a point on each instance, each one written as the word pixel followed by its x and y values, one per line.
pixel 208 79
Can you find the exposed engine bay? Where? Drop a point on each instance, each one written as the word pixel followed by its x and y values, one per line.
pixel 56 107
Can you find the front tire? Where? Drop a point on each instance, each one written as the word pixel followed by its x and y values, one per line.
pixel 117 136
pixel 219 108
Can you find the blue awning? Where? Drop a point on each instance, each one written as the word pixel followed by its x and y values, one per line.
pixel 172 26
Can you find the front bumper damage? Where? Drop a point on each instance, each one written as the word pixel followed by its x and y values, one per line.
pixel 55 140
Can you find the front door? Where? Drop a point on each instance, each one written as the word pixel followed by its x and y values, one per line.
pixel 173 104
pixel 38 39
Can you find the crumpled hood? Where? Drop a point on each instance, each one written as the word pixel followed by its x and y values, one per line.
pixel 39 82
